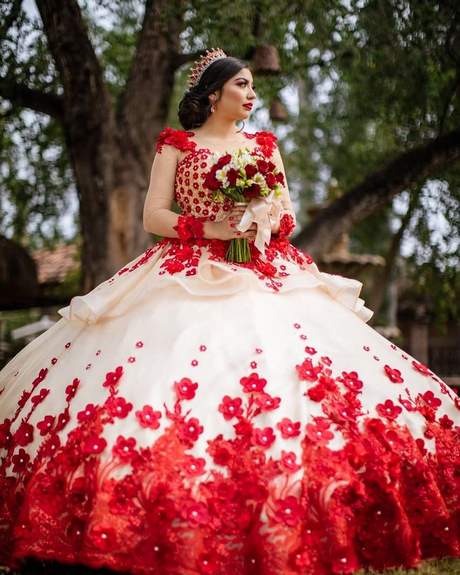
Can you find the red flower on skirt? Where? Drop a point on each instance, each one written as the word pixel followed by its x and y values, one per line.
pixel 148 417
pixel 253 383
pixel 20 461
pixel 263 437
pixel 288 428
pixel 393 374
pixel 231 407
pixel 24 434
pixel 190 430
pixel 94 445
pixel 185 388
pixel 388 409
pixel 118 407
pixel 288 511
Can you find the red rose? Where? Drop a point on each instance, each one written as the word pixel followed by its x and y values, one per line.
pixel 211 182
pixel 250 170
pixel 232 176
pixel 222 161
pixel 253 191
pixel 280 177
pixel 270 179
pixel 262 166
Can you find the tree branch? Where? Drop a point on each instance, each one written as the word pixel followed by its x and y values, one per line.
pixel 384 274
pixel 80 72
pixel 181 59
pixel 21 95
pixel 377 189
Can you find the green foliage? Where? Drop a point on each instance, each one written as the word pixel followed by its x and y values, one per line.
pixel 35 179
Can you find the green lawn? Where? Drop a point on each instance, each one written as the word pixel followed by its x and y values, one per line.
pixel 443 567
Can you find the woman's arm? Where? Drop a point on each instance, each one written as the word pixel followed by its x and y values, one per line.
pixel 158 218
pixel 287 208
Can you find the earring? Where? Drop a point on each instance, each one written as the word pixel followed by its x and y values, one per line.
pixel 213 108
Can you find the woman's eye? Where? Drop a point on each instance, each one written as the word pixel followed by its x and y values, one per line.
pixel 245 85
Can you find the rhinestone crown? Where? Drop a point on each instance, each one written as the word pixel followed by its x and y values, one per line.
pixel 202 63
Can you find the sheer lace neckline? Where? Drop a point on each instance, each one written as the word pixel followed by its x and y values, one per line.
pixel 198 148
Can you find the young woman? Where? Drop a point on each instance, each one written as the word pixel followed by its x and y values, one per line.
pixel 196 414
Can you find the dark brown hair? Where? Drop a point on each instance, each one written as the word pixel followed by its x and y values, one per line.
pixel 195 107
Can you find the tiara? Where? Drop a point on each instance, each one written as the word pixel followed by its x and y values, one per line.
pixel 200 66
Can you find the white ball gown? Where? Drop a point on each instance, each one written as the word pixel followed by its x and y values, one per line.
pixel 195 416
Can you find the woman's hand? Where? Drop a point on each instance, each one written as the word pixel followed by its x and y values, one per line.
pixel 226 228
pixel 275 222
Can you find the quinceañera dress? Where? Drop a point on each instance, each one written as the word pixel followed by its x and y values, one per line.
pixel 192 415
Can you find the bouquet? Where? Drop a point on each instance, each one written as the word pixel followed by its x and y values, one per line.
pixel 249 179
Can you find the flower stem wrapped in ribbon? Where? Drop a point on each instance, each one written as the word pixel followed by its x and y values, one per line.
pixel 248 179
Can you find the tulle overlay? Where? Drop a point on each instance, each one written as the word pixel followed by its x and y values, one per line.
pixel 195 416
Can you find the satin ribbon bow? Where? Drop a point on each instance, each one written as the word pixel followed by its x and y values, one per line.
pixel 258 210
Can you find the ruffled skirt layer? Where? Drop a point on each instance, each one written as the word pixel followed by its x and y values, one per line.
pixel 210 423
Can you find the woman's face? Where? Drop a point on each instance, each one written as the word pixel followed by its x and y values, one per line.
pixel 237 96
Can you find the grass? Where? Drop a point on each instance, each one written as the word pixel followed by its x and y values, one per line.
pixel 440 567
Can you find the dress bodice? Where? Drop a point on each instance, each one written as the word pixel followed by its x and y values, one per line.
pixel 190 194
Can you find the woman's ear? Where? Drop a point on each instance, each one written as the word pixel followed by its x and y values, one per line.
pixel 215 96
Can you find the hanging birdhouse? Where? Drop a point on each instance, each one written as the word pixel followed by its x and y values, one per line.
pixel 278 112
pixel 266 59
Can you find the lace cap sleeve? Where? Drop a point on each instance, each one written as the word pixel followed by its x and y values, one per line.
pixel 267 142
pixel 177 138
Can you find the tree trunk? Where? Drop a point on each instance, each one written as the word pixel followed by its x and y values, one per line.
pixel 111 147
